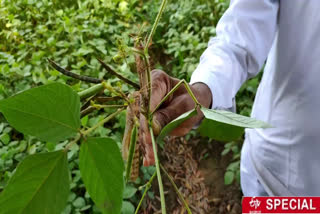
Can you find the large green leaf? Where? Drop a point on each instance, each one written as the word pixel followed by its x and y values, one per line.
pixel 50 112
pixel 101 168
pixel 174 124
pixel 225 125
pixel 40 185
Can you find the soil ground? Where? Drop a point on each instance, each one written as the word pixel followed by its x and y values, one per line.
pixel 197 168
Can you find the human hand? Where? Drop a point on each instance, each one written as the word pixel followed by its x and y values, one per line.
pixel 178 103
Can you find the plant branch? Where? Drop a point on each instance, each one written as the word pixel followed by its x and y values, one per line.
pixel 111 71
pixel 88 131
pixel 73 75
pixel 87 111
pixel 177 190
pixel 155 24
pixel 103 99
pixel 173 90
pixel 163 202
pixel 98 107
pixel 132 148
pixel 148 185
pixel 76 139
pixel 115 91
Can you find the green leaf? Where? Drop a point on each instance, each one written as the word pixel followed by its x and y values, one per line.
pixel 79 202
pixel 127 208
pixel 225 125
pixel 174 124
pixel 225 151
pixel 129 191
pixel 101 168
pixel 228 177
pixel 39 185
pixel 5 138
pixel 50 112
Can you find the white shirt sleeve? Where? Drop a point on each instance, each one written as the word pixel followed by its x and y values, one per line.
pixel 244 37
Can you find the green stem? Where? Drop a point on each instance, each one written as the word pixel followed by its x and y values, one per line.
pixel 173 90
pixel 163 202
pixel 76 139
pixel 91 91
pixel 98 106
pixel 146 53
pixel 132 148
pixel 114 91
pixel 155 24
pixel 177 190
pixel 148 185
pixel 191 93
pixel 88 131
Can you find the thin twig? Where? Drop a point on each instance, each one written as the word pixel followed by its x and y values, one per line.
pixel 88 131
pixel 111 71
pixel 154 146
pixel 76 139
pixel 73 75
pixel 155 24
pixel 186 85
pixel 132 148
pixel 86 104
pixel 90 109
pixel 103 99
pixel 148 185
pixel 177 190
pixel 87 111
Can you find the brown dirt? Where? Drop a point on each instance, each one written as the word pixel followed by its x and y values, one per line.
pixel 197 168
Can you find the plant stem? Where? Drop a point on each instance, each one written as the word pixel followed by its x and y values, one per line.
pixel 148 185
pixel 173 90
pixel 98 106
pixel 163 202
pixel 132 148
pixel 191 93
pixel 76 139
pixel 177 190
pixel 91 91
pixel 146 52
pixel 155 24
pixel 115 91
pixel 88 131
pixel 94 107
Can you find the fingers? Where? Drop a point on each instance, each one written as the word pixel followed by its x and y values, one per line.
pixel 178 106
pixel 161 85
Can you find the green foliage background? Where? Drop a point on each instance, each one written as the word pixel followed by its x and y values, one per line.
pixel 74 33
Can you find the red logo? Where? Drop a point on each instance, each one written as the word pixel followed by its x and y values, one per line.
pixel 281 205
